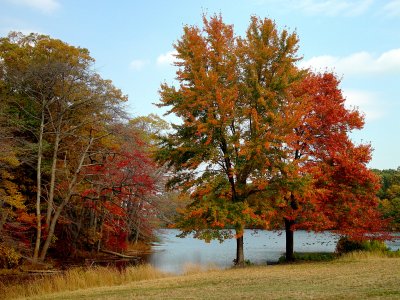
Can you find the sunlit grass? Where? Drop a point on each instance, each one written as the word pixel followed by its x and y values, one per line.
pixel 191 268
pixel 358 275
pixel 368 255
pixel 80 278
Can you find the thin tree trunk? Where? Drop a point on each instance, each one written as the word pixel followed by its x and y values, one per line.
pixel 78 228
pixel 137 235
pixel 289 239
pixel 239 261
pixel 101 236
pixel 65 201
pixel 53 178
pixel 39 189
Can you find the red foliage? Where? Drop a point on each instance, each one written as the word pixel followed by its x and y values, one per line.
pixel 326 183
pixel 119 188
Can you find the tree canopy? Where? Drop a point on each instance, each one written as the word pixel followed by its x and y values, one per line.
pixel 72 151
pixel 261 141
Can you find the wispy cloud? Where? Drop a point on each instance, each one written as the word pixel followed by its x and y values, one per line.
pixel 8 24
pixel 392 8
pixel 167 58
pixel 45 6
pixel 334 7
pixel 366 102
pixel 357 63
pixel 323 7
pixel 137 64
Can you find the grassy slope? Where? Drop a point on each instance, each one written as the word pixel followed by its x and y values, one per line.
pixel 348 278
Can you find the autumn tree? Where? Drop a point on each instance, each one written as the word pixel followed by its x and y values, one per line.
pixel 117 192
pixel 11 199
pixel 57 103
pixel 229 94
pixel 323 182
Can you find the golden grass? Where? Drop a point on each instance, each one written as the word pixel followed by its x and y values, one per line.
pixel 354 276
pixel 80 278
pixel 191 268
pixel 368 255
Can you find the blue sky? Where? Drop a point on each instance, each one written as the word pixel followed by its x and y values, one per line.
pixel 132 44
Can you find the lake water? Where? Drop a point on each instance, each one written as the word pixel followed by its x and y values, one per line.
pixel 173 254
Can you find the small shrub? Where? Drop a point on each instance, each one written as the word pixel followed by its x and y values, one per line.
pixel 310 256
pixel 375 245
pixel 346 245
pixel 247 262
pixel 9 258
pixel 317 256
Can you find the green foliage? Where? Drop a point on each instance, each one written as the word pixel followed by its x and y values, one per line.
pixel 310 256
pixel 389 196
pixel 346 245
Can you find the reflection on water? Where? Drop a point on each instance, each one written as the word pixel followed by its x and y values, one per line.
pixel 173 253
pixel 260 246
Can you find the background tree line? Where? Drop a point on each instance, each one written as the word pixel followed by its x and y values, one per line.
pixel 76 173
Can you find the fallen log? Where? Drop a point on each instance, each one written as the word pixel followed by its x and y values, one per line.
pixel 118 254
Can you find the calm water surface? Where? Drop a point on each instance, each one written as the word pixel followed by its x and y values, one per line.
pixel 172 254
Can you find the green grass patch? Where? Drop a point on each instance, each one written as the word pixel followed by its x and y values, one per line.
pixel 310 257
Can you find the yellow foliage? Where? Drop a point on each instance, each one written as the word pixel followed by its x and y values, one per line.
pixel 9 258
pixel 10 160
pixel 9 191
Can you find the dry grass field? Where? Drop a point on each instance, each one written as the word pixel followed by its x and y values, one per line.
pixel 356 276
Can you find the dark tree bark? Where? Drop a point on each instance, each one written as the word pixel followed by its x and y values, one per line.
pixel 239 261
pixel 289 239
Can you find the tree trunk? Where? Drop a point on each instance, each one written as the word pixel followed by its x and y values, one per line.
pixel 101 236
pixel 239 261
pixel 65 201
pixel 50 200
pixel 39 190
pixel 289 239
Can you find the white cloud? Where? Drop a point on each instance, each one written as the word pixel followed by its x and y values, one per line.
pixel 392 8
pixel 137 64
pixel 46 6
pixel 167 58
pixel 357 63
pixel 366 102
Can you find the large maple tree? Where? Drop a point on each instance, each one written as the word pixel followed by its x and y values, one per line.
pixel 323 182
pixel 229 96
